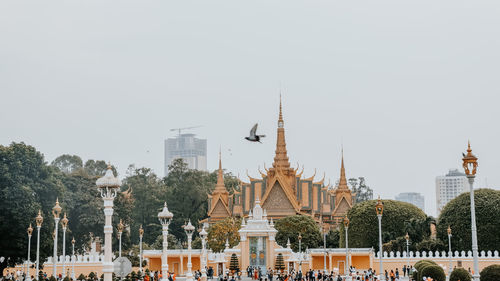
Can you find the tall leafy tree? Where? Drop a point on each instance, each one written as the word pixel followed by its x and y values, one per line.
pixel 363 192
pixel 68 163
pixel 27 184
pixel 457 215
pixel 290 228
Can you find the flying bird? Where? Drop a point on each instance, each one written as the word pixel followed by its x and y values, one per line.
pixel 253 135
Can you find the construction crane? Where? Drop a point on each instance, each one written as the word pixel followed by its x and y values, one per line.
pixel 185 128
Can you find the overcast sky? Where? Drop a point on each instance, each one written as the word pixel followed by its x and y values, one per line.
pixel 402 85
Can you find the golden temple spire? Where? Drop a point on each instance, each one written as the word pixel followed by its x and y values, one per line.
pixel 219 187
pixel 343 180
pixel 281 157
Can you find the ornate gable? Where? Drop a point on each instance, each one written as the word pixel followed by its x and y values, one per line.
pixel 220 210
pixel 277 202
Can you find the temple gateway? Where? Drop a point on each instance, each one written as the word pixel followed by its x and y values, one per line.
pixel 282 191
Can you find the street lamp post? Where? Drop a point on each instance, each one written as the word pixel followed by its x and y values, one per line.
pixel 64 223
pixel 346 227
pixel 56 211
pixel 141 233
pixel 30 232
pixel 470 167
pixel 380 210
pixel 449 250
pixel 39 221
pixel 203 234
pixel 120 231
pixel 108 185
pixel 73 258
pixel 165 217
pixel 324 253
pixel 300 252
pixel 189 229
pixel 407 237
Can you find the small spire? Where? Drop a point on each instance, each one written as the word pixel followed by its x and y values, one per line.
pixel 281 157
pixel 469 150
pixel 220 187
pixel 343 180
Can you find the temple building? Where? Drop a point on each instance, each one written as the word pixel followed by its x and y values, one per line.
pixel 282 192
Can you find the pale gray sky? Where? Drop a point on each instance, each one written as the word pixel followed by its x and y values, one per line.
pixel 402 84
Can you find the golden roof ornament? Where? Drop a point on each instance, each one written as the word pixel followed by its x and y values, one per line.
pixel 281 157
pixel 30 230
pixel 56 210
pixel 469 162
pixel 64 221
pixel 39 219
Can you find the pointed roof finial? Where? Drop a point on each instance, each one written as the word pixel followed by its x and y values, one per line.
pixel 281 157
pixel 343 180
pixel 220 187
pixel 468 146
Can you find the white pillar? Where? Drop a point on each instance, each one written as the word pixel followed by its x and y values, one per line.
pixel 449 254
pixel 347 251
pixel 203 260
pixel 475 254
pixel 164 261
pixel 37 251
pixel 381 267
pixel 189 275
pixel 108 231
pixel 140 255
pixel 120 244
pixel 28 277
pixel 73 258
pixel 54 260
pixel 64 253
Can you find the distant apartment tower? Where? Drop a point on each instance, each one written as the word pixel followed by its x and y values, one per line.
pixel 191 149
pixel 414 198
pixel 448 187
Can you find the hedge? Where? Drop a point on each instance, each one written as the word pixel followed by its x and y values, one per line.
pixel 457 215
pixel 460 274
pixel 490 273
pixel 433 271
pixel 363 218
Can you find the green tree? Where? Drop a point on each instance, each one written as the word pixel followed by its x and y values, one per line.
pixel 290 228
pixel 233 263
pixel 27 184
pixel 147 197
pixel 332 238
pixel 362 191
pixel 96 168
pixel 226 229
pixel 280 263
pixel 68 163
pixel 490 273
pixel 363 219
pixel 457 215
pixel 460 274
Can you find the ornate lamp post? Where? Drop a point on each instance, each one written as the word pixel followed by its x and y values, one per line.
pixel 141 233
pixel 300 252
pixel 120 232
pixel 189 229
pixel 324 249
pixel 449 249
pixel 407 237
pixel 346 227
pixel 470 167
pixel 108 186
pixel 73 258
pixel 64 223
pixel 380 210
pixel 204 235
pixel 56 211
pixel 39 221
pixel 165 217
pixel 30 231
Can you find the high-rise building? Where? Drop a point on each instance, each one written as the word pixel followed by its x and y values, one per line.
pixel 191 149
pixel 449 186
pixel 414 198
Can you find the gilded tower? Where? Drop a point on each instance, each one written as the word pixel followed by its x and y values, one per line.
pixel 283 191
